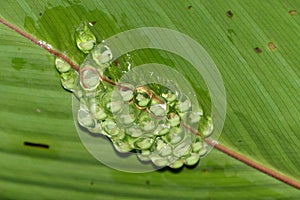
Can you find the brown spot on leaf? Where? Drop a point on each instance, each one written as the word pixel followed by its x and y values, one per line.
pixel 257 50
pixel 271 46
pixel 292 12
pixel 229 14
pixel 116 63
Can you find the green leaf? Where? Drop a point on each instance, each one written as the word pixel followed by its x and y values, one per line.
pixel 262 94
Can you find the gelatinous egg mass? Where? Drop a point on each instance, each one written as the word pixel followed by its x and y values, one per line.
pixel 151 120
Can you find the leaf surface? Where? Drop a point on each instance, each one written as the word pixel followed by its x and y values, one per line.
pixel 262 92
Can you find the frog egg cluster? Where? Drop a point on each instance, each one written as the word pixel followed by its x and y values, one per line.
pixel 160 125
